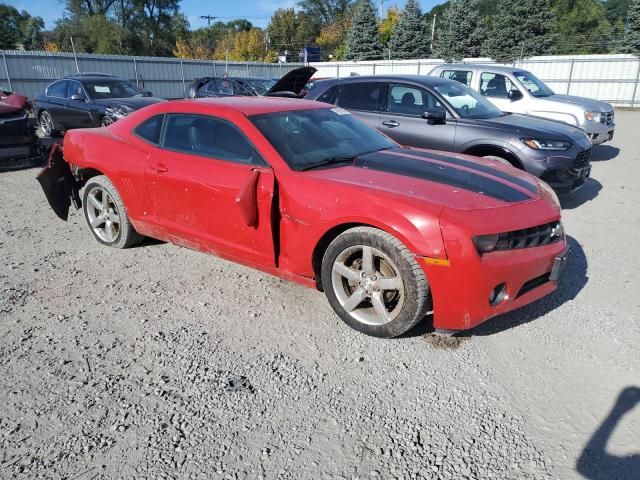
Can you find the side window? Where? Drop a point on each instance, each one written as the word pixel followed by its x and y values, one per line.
pixel 150 129
pixel 328 96
pixel 494 85
pixel 461 76
pixel 224 86
pixel 410 100
pixel 207 136
pixel 76 89
pixel 58 89
pixel 360 96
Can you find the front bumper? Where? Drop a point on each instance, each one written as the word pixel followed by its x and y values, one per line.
pixel 599 132
pixel 463 287
pixel 565 172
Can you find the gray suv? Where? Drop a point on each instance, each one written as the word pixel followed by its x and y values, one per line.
pixel 440 114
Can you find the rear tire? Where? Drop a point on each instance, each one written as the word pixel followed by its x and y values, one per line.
pixel 106 214
pixel 46 125
pixel 374 283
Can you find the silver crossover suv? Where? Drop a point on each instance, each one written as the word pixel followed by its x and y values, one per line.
pixel 519 91
pixel 430 112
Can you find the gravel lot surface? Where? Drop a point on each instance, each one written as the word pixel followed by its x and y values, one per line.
pixel 160 362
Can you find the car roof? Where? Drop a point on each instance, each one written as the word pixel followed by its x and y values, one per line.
pixel 425 80
pixel 247 105
pixel 479 66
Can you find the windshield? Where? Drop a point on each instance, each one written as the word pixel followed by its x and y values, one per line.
pixel 536 87
pixel 307 137
pixel 466 102
pixel 261 86
pixel 99 89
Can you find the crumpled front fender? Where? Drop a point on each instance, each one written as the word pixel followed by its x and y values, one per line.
pixel 59 184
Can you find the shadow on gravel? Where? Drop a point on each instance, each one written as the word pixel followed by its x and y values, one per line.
pixel 602 153
pixel 587 193
pixel 572 281
pixel 595 463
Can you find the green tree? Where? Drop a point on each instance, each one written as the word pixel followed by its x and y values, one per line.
pixel 9 28
pixel 32 34
pixel 582 27
pixel 325 11
pixel 631 39
pixel 617 10
pixel 521 27
pixel 461 32
pixel 409 38
pixel 362 37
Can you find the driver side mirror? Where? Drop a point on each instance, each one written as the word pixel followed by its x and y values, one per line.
pixel 515 95
pixel 435 116
pixel 78 98
pixel 147 93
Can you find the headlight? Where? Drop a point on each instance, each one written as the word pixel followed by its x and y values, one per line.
pixel 553 195
pixel 592 116
pixel 118 112
pixel 541 144
pixel 486 243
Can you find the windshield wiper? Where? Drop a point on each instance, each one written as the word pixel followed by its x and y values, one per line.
pixel 329 161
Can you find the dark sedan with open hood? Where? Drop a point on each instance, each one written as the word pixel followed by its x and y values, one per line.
pixel 88 100
pixel 440 114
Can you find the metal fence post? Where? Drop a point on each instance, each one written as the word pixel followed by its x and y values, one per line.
pixel 374 68
pixel 635 86
pixel 337 70
pixel 135 71
pixel 215 73
pixel 6 69
pixel 418 68
pixel 570 75
pixel 184 86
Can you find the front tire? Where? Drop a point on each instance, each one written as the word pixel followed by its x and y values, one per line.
pixel 106 214
pixel 374 283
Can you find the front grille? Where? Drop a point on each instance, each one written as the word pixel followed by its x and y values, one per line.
pixel 530 237
pixel 607 118
pixel 583 158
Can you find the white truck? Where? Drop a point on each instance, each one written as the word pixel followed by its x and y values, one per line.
pixel 515 90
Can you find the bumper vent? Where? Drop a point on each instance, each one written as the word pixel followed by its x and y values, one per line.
pixel 607 118
pixel 583 159
pixel 530 237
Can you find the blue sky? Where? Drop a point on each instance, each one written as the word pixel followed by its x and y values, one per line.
pixel 257 12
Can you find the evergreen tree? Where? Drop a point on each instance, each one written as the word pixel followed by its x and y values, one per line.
pixel 521 27
pixel 32 38
pixel 362 37
pixel 409 37
pixel 581 27
pixel 461 32
pixel 631 39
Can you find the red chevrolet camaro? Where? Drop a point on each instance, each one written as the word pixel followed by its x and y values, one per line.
pixel 307 192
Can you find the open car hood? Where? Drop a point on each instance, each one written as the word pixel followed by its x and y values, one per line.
pixel 292 82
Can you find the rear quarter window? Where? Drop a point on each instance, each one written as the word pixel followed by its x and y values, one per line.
pixel 58 89
pixel 360 96
pixel 150 129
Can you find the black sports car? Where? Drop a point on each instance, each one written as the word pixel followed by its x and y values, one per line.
pixel 87 100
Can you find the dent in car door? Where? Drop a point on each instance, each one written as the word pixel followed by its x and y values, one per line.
pixel 403 119
pixel 211 194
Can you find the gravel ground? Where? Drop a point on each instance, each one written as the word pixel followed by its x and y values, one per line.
pixel 160 362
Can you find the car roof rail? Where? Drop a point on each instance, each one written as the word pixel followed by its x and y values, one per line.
pixel 91 74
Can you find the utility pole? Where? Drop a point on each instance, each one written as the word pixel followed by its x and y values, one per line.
pixel 433 29
pixel 208 18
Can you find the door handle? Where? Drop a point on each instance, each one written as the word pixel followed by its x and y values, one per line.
pixel 159 168
pixel 390 123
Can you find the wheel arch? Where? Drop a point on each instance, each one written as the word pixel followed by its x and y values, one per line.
pixel 495 150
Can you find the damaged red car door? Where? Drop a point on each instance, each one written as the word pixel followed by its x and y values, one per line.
pixel 211 190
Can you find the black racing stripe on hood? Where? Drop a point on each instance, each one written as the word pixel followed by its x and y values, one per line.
pixel 475 166
pixel 384 162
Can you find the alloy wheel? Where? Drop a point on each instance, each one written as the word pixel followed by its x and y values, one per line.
pixel 103 215
pixel 368 285
pixel 46 123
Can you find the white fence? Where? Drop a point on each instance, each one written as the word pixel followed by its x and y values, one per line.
pixel 611 78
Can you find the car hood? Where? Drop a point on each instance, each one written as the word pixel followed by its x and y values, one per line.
pixel 458 182
pixel 133 102
pixel 293 81
pixel 536 127
pixel 588 104
pixel 12 103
